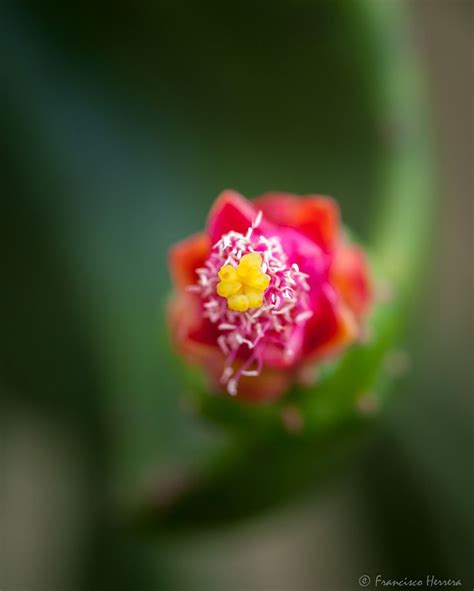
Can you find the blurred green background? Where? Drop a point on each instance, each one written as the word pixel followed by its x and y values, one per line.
pixel 120 123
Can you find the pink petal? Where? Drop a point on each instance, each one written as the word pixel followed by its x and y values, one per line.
pixel 279 357
pixel 231 212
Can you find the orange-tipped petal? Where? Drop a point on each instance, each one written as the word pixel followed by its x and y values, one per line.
pixel 350 274
pixel 315 216
pixel 186 256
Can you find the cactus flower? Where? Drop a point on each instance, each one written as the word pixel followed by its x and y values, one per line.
pixel 271 288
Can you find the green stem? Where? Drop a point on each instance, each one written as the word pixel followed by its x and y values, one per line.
pixel 402 226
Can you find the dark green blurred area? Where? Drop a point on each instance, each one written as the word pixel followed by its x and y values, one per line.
pixel 120 123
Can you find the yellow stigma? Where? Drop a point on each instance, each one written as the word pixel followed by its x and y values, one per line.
pixel 243 286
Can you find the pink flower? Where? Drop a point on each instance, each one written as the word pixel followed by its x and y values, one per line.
pixel 269 289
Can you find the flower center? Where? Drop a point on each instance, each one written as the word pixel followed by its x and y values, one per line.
pixel 243 286
pixel 256 299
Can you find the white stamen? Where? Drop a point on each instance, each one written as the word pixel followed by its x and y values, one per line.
pixel 232 387
pixel 226 375
pixel 303 316
pixel 257 220
pixel 221 341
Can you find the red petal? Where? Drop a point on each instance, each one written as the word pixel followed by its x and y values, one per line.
pixel 332 327
pixel 193 335
pixel 266 387
pixel 281 357
pixel 230 212
pixel 350 275
pixel 186 256
pixel 195 338
pixel 314 216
